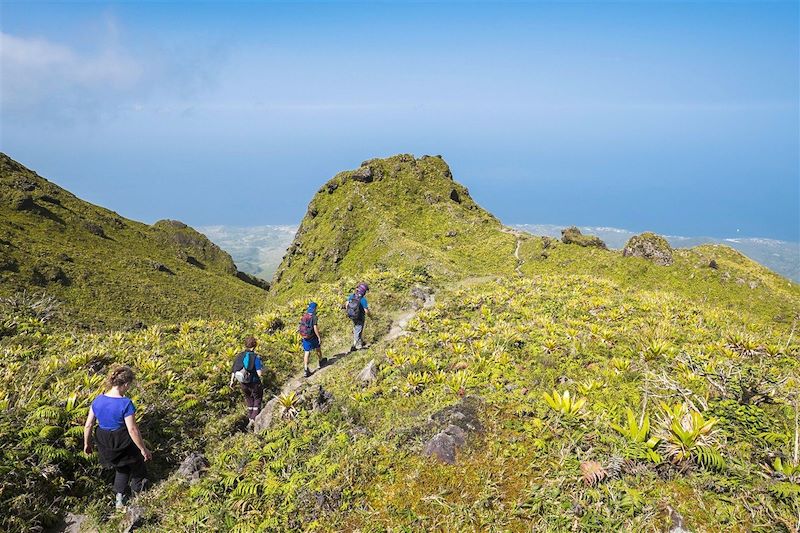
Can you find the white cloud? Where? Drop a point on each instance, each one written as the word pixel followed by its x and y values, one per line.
pixel 40 75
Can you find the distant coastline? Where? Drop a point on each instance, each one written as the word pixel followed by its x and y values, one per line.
pixel 258 250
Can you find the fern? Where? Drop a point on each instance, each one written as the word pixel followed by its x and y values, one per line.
pixel 785 491
pixel 709 457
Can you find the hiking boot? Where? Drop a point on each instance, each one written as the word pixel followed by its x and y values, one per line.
pixel 323 361
pixel 308 373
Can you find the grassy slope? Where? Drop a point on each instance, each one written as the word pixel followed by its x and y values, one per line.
pixel 359 466
pixel 584 320
pixel 399 220
pixel 618 331
pixel 49 241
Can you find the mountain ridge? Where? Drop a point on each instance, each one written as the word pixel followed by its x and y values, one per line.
pixel 104 267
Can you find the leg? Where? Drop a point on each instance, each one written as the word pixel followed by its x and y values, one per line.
pixel 121 479
pixel 305 360
pixel 138 476
pixel 321 359
pixel 258 398
pixel 249 399
pixel 358 328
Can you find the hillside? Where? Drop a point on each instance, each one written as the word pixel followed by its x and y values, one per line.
pixel 105 269
pixel 398 212
pixel 519 383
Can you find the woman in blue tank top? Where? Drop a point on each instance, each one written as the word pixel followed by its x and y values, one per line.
pixel 119 442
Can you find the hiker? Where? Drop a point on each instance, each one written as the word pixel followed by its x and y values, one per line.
pixel 247 368
pixel 357 309
pixel 310 337
pixel 119 441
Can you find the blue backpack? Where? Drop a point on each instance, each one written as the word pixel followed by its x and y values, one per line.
pixel 245 375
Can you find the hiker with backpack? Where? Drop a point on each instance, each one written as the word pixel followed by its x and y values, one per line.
pixel 310 337
pixel 247 368
pixel 119 442
pixel 357 310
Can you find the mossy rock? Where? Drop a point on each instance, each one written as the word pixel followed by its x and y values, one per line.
pixel 649 246
pixel 572 235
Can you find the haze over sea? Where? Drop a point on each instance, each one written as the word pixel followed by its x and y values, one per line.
pixel 681 117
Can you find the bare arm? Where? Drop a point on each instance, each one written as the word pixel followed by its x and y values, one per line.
pixel 87 432
pixel 133 431
pixel 316 331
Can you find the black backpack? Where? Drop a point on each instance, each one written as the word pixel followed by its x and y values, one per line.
pixel 355 311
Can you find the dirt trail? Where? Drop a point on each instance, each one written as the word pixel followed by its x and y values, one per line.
pixel 397 329
pixel 399 325
pixel 518 235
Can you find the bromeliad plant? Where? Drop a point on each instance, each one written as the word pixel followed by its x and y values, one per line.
pixel 564 404
pixel 290 404
pixel 687 435
pixel 637 433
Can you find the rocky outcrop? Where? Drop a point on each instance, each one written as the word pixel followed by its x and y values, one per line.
pixel 192 467
pixel 264 418
pixel 572 235
pixel 369 373
pixel 650 246
pixel 458 421
pixel 252 280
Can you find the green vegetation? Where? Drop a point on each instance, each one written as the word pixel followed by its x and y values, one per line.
pixel 106 270
pixel 580 389
pixel 398 212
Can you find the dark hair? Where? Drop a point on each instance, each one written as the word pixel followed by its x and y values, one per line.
pixel 120 375
pixel 250 342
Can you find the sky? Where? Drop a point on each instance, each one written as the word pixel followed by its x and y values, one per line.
pixel 677 117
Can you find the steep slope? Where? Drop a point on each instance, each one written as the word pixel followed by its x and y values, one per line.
pixel 394 213
pixel 108 270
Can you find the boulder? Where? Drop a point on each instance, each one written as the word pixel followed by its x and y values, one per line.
pixel 42 274
pixel 95 229
pixel 459 435
pixel 443 447
pixel 572 235
pixel 160 267
pixel 421 295
pixel 455 196
pixel 369 373
pixel 321 400
pixel 459 420
pixel 363 174
pixel 192 466
pixel 650 246
pixel 134 519
pixel 264 418
pixel 73 523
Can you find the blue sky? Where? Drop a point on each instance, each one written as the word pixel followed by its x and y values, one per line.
pixel 677 117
